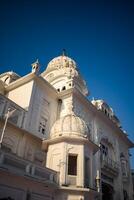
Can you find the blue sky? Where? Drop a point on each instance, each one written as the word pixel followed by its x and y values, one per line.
pixel 97 34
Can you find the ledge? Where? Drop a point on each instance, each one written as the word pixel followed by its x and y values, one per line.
pixel 80 140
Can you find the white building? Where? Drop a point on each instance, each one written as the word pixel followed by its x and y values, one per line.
pixel 57 144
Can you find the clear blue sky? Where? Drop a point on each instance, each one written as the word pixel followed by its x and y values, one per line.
pixel 98 34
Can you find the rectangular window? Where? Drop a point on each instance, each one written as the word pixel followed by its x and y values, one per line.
pixel 104 150
pixel 87 172
pixel 72 165
pixel 42 126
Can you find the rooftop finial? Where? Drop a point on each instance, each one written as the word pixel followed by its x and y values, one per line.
pixel 64 52
pixel 35 66
pixel 93 99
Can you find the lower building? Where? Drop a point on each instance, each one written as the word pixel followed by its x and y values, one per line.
pixel 56 143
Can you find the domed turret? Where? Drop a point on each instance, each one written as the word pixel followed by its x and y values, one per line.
pixel 62 73
pixel 69 125
pixel 61 62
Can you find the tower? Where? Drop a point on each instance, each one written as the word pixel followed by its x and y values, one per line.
pixel 69 148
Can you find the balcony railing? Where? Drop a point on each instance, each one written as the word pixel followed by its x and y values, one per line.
pixel 18 116
pixel 110 166
pixel 22 167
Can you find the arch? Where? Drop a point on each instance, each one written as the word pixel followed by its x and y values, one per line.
pixel 107 191
pixel 6 79
pixel 8 143
pixel 64 88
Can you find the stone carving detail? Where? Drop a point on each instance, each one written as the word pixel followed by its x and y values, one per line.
pixel 50 77
pixel 69 125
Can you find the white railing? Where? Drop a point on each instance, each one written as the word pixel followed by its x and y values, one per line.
pixel 108 162
pixel 23 167
pixel 18 116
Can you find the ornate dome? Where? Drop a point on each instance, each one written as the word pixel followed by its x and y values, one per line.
pixel 61 62
pixel 62 72
pixel 69 125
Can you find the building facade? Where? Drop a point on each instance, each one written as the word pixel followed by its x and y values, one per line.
pixel 55 142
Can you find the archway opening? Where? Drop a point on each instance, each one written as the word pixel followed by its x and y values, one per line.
pixel 107 191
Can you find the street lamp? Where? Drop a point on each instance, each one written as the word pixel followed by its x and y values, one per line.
pixel 9 113
pixel 98 181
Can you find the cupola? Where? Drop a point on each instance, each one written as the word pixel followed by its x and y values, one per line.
pixel 69 125
pixel 62 73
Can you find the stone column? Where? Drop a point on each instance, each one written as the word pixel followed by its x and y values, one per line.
pixel 80 167
pixel 63 165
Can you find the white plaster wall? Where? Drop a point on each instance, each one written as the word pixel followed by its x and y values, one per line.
pixel 69 195
pixel 57 159
pixel 37 110
pixel 22 144
pixel 66 106
pixel 22 94
pixel 81 110
pixel 100 129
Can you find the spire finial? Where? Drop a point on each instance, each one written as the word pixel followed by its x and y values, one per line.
pixel 35 66
pixel 64 52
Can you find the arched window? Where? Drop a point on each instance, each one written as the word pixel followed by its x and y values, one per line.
pixel 64 88
pixel 123 165
pixel 107 149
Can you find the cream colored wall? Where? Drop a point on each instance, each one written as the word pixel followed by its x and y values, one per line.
pixel 57 159
pixel 22 143
pixel 71 195
pixel 66 106
pixel 37 109
pixel 100 129
pixel 22 94
pixel 85 113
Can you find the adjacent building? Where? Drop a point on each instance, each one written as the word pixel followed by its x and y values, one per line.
pixel 55 142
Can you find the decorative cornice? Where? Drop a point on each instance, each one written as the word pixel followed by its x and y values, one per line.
pixel 71 139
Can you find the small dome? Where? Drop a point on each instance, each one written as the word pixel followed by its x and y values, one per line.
pixel 69 125
pixel 61 62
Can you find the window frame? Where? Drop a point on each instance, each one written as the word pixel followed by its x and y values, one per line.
pixel 72 167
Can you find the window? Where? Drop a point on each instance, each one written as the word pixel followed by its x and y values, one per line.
pixel 72 165
pixel 64 88
pixel 87 172
pixel 123 165
pixel 104 149
pixel 125 194
pixel 105 111
pixel 42 126
pixel 124 168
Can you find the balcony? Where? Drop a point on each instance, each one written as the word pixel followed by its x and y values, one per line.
pixel 19 115
pixel 109 166
pixel 21 167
